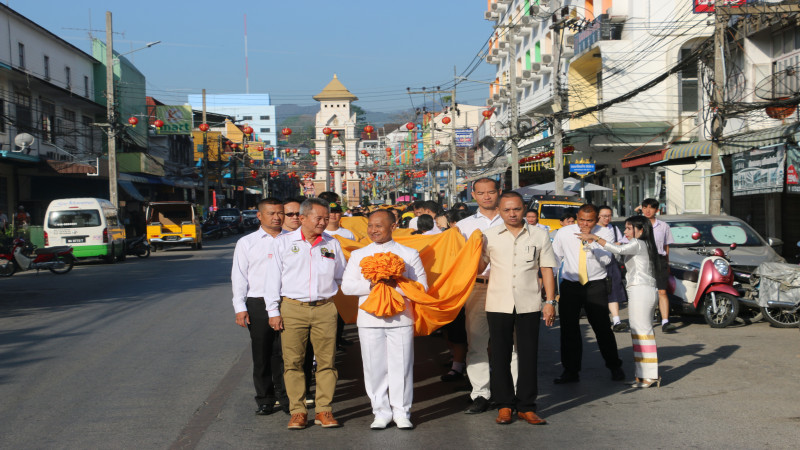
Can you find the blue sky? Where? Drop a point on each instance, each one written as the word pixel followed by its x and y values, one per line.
pixel 377 48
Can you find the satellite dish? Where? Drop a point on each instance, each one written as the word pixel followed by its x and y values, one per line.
pixel 782 84
pixel 23 141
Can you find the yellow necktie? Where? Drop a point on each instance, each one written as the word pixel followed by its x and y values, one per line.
pixel 583 272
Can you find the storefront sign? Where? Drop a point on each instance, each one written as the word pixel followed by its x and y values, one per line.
pixel 177 119
pixel 582 169
pixel 464 137
pixel 759 171
pixel 707 6
pixel 792 169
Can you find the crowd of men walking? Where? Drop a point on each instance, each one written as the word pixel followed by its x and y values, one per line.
pixel 286 273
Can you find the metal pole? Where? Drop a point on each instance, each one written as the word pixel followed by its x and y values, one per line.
pixel 454 169
pixel 206 203
pixel 558 133
pixel 718 121
pixel 111 114
pixel 512 55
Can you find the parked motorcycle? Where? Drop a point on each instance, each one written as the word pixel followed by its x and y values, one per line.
pixel 706 289
pixel 775 289
pixel 217 229
pixel 138 246
pixel 23 256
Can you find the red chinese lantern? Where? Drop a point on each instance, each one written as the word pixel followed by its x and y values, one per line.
pixel 313 163
pixel 326 131
pixel 445 120
pixel 286 131
pixel 252 161
pixel 133 121
pixel 433 151
pixel 388 150
pixel 369 129
pixel 780 112
pixel 253 173
pixel 351 172
pixel 271 163
pixel 203 127
pixel 340 152
pixel 438 142
pixel 259 149
pixel 248 130
pixel 235 146
pixel 356 163
pixel 487 113
pixel 336 134
pixel 294 163
pixel 158 123
pixel 410 126
pixel 336 163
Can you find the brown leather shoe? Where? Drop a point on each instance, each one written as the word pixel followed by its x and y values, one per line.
pixel 298 421
pixel 504 416
pixel 325 418
pixel 531 418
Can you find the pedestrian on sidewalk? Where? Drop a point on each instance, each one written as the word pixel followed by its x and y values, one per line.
pixel 304 272
pixel 616 293
pixel 517 251
pixel 387 343
pixel 247 281
pixel 641 260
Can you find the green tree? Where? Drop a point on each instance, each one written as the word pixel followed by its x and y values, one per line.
pixel 361 115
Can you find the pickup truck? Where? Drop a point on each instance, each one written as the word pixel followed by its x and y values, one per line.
pixel 173 223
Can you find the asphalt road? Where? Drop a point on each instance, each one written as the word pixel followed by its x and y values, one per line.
pixel 145 354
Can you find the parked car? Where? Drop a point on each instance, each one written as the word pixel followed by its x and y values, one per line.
pixel 250 218
pixel 232 216
pixel 90 225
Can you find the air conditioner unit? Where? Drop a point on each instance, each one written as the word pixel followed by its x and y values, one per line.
pixel 547 59
pixel 536 77
pixel 526 74
pixel 535 9
pixel 536 67
pixel 490 15
pixel 518 38
pixel 568 52
pixel 489 102
pixel 503 92
pixel 570 41
pixel 499 7
pixel 547 69
pixel 502 44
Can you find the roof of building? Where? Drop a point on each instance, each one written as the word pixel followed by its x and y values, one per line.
pixel 335 90
pixel 46 31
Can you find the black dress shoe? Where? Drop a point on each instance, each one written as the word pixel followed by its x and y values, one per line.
pixel 285 408
pixel 265 410
pixel 668 327
pixel 479 405
pixel 567 377
pixel 617 374
pixel 452 375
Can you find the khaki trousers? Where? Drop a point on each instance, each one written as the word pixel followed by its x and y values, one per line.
pixel 301 323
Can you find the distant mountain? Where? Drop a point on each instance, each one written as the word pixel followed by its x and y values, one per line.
pixel 304 115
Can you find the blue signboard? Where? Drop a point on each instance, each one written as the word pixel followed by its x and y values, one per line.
pixel 581 169
pixel 464 137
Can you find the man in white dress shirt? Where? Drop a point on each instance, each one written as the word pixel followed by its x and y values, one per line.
pixel 486 193
pixel 387 343
pixel 247 280
pixel 334 225
pixel 304 272
pixel 584 286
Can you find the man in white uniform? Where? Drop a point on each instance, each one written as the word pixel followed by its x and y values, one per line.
pixel 387 343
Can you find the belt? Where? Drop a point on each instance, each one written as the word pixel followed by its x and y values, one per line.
pixel 255 298
pixel 314 303
pixel 482 280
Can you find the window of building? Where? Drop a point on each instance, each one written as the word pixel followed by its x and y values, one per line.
pixel 86 86
pixel 528 60
pixel 265 130
pixel 2 116
pixel 47 120
pixel 21 48
pixel 23 113
pixel 694 191
pixel 264 117
pixel 68 129
pixel 537 52
pixel 68 77
pixel 88 134
pixel 268 142
pixel 247 117
pixel 688 85
pixel 46 67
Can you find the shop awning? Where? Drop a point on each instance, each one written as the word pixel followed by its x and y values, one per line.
pixel 133 178
pixel 643 160
pixel 130 189
pixel 760 138
pixel 18 156
pixel 690 150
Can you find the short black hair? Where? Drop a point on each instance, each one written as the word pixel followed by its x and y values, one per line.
pixel 460 205
pixel 513 194
pixel 292 200
pixel 650 202
pixel 268 201
pixel 588 207
pixel 604 207
pixel 330 197
pixel 431 206
pixel 486 180
pixel 424 223
pixel 568 215
pixel 419 204
pixel 532 211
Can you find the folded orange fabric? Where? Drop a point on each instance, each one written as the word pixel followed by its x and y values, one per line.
pixel 383 300
pixel 451 266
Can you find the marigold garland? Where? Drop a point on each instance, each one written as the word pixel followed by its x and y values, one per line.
pixel 382 266
pixel 383 300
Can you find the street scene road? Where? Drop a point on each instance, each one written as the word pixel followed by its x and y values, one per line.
pixel 145 354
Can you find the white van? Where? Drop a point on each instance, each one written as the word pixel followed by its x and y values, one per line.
pixel 90 225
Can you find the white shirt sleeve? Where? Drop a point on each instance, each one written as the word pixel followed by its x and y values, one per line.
pixel 417 271
pixel 353 282
pixel 272 290
pixel 239 277
pixel 602 255
pixel 341 263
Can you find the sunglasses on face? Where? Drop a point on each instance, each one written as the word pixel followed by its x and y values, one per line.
pixel 294 214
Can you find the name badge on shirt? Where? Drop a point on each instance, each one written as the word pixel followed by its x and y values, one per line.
pixel 326 253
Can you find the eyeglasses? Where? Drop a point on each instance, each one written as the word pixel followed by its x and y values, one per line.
pixel 292 214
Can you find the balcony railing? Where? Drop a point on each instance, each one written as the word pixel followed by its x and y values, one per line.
pixel 600 29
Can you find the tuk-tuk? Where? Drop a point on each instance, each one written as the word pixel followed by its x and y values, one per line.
pixel 173 223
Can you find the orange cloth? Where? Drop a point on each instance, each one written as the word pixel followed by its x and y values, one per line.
pixel 451 266
pixel 383 300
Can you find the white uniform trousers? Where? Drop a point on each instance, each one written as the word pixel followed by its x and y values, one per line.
pixel 478 342
pixel 642 302
pixel 388 357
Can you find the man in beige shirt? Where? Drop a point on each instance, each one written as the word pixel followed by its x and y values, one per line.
pixel 517 252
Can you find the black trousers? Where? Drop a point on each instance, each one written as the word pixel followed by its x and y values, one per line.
pixel 593 298
pixel 267 355
pixel 501 341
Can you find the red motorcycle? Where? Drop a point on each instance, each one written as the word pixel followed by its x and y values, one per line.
pixel 23 256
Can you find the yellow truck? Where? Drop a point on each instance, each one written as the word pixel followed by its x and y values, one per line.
pixel 552 207
pixel 173 223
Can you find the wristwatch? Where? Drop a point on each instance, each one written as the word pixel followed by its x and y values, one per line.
pixel 551 302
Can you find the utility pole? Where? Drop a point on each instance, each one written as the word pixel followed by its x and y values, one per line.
pixel 558 132
pixel 512 59
pixel 111 115
pixel 206 204
pixel 718 120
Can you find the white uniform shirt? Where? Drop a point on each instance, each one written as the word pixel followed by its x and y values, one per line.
pixel 474 222
pixel 434 230
pixel 566 247
pixel 304 272
pixel 413 223
pixel 249 264
pixel 343 232
pixel 354 283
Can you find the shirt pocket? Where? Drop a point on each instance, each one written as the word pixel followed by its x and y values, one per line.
pixel 531 253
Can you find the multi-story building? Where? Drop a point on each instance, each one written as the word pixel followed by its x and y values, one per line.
pixel 47 90
pixel 254 110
